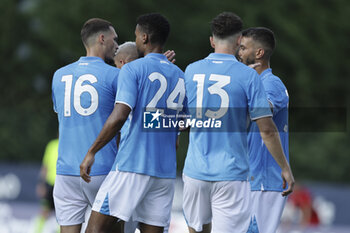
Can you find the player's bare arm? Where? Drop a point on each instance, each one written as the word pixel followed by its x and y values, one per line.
pixel 270 136
pixel 112 126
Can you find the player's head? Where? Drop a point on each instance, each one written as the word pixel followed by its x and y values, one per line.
pixel 126 52
pixel 257 44
pixel 226 30
pixel 100 36
pixel 151 30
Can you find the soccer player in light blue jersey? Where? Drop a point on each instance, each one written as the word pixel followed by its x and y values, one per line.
pixel 257 46
pixel 83 94
pixel 216 173
pixel 126 53
pixel 140 186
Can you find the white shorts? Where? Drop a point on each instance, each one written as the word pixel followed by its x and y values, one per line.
pixel 267 208
pixel 224 203
pixel 72 195
pixel 136 197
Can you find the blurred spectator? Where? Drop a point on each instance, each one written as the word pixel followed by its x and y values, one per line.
pixel 45 185
pixel 302 199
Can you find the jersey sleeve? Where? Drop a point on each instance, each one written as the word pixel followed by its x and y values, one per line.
pixel 257 99
pixel 127 87
pixel 277 94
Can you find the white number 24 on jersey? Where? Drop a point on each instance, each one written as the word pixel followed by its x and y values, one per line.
pixel 170 102
pixel 79 89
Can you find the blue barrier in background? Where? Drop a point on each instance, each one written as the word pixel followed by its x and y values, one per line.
pixel 18 182
pixel 18 190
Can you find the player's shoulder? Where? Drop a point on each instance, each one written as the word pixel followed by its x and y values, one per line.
pixel 195 64
pixel 102 67
pixel 112 70
pixel 135 64
pixel 109 67
pixel 66 68
pixel 143 63
pixel 274 80
pixel 275 88
pixel 202 63
pixel 271 76
pixel 242 73
pixel 130 68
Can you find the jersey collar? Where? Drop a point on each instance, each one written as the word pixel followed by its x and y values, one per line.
pixel 221 56
pixel 156 55
pixel 91 59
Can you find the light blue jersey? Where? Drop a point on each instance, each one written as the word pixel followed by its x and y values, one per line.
pixel 145 85
pixel 265 174
pixel 83 94
pixel 220 87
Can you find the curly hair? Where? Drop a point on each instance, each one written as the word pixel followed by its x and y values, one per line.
pixel 226 24
pixel 156 26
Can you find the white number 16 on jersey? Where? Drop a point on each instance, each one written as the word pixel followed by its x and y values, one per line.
pixel 79 89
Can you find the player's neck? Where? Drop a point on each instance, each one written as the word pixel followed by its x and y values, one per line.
pixel 264 65
pixel 225 49
pixel 94 52
pixel 153 49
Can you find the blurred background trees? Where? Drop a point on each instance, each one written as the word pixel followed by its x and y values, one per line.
pixel 39 36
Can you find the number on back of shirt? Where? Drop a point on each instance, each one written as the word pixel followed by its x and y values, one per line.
pixel 179 90
pixel 216 88
pixel 78 90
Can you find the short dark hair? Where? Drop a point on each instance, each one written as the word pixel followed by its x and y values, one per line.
pixel 93 26
pixel 156 26
pixel 226 24
pixel 264 36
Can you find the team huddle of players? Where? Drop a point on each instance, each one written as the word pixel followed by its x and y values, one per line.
pixel 232 176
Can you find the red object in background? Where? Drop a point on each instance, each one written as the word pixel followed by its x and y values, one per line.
pixel 301 198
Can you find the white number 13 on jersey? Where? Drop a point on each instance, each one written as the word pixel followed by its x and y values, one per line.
pixel 79 89
pixel 216 88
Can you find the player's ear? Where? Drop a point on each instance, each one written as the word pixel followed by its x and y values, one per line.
pixel 101 38
pixel 145 38
pixel 259 53
pixel 119 63
pixel 238 42
pixel 212 43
